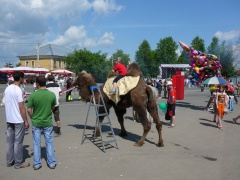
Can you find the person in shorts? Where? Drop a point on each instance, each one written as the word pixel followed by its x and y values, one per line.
pixel 171 103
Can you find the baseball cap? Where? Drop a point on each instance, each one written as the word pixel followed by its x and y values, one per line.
pixel 169 83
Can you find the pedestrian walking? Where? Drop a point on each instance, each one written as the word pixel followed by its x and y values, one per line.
pixel 222 103
pixel 235 119
pixel 17 122
pixel 40 106
pixel 69 93
pixel 54 87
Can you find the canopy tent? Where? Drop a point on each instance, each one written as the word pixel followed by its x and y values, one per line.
pixel 63 72
pixel 7 70
pixel 24 69
pixel 168 67
pixel 40 70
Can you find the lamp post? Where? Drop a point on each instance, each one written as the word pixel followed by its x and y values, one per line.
pixel 38 49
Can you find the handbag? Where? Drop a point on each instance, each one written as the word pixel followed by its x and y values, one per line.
pixel 167 117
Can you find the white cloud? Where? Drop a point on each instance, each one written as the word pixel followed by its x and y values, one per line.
pixel 105 6
pixel 77 37
pixel 23 21
pixel 106 39
pixel 72 36
pixel 227 35
pixel 36 4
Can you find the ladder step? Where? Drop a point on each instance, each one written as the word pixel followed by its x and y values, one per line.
pixel 108 142
pixel 103 114
pixel 99 105
pixel 106 123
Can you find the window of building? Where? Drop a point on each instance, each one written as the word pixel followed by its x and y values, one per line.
pixel 54 64
pixel 26 63
pixel 59 64
pixel 32 64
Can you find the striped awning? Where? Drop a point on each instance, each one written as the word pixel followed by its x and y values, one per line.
pixel 175 66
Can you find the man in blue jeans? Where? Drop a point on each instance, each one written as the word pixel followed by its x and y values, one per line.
pixel 40 106
pixel 16 118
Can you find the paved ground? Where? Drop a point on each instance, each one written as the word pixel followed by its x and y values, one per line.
pixel 194 149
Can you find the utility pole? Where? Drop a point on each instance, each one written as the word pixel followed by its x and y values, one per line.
pixel 38 47
pixel 38 50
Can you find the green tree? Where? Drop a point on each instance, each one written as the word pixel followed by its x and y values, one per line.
pixel 198 44
pixel 165 52
pixel 8 64
pixel 144 56
pixel 18 64
pixel 224 52
pixel 226 59
pixel 94 63
pixel 125 57
pixel 214 47
pixel 183 59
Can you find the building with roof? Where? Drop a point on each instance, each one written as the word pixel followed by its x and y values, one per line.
pixel 49 56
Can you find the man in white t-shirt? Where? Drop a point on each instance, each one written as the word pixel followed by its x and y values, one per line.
pixel 16 122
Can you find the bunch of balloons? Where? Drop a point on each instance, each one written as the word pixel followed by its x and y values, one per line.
pixel 202 65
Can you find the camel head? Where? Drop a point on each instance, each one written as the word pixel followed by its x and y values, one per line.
pixel 84 81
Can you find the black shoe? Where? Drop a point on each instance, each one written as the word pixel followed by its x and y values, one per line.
pixel 58 132
pixel 9 165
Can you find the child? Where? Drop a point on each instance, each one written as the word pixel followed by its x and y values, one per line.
pixel 222 104
pixel 122 70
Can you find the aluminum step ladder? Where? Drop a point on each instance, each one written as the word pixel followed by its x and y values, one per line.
pixel 107 124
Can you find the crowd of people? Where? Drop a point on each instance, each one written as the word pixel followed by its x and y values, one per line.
pixel 221 101
pixel 40 111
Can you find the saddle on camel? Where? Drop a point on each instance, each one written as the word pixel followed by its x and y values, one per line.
pixel 139 97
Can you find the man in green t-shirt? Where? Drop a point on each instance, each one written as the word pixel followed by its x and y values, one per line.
pixel 40 106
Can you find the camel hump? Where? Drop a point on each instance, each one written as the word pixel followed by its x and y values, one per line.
pixel 134 70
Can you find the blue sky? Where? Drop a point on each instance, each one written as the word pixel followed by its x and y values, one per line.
pixel 108 25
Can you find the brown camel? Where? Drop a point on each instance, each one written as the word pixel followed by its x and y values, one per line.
pixel 140 98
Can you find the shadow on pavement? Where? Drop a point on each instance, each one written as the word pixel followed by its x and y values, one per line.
pixel 188 105
pixel 130 136
pixel 26 154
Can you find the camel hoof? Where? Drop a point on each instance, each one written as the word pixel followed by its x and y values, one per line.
pixel 122 134
pixel 159 144
pixel 138 144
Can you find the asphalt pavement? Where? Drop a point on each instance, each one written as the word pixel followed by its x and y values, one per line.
pixel 195 149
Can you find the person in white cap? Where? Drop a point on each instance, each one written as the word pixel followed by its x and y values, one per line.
pixel 171 103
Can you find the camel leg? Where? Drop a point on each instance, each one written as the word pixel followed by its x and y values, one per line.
pixel 146 129
pixel 146 125
pixel 120 112
pixel 154 113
